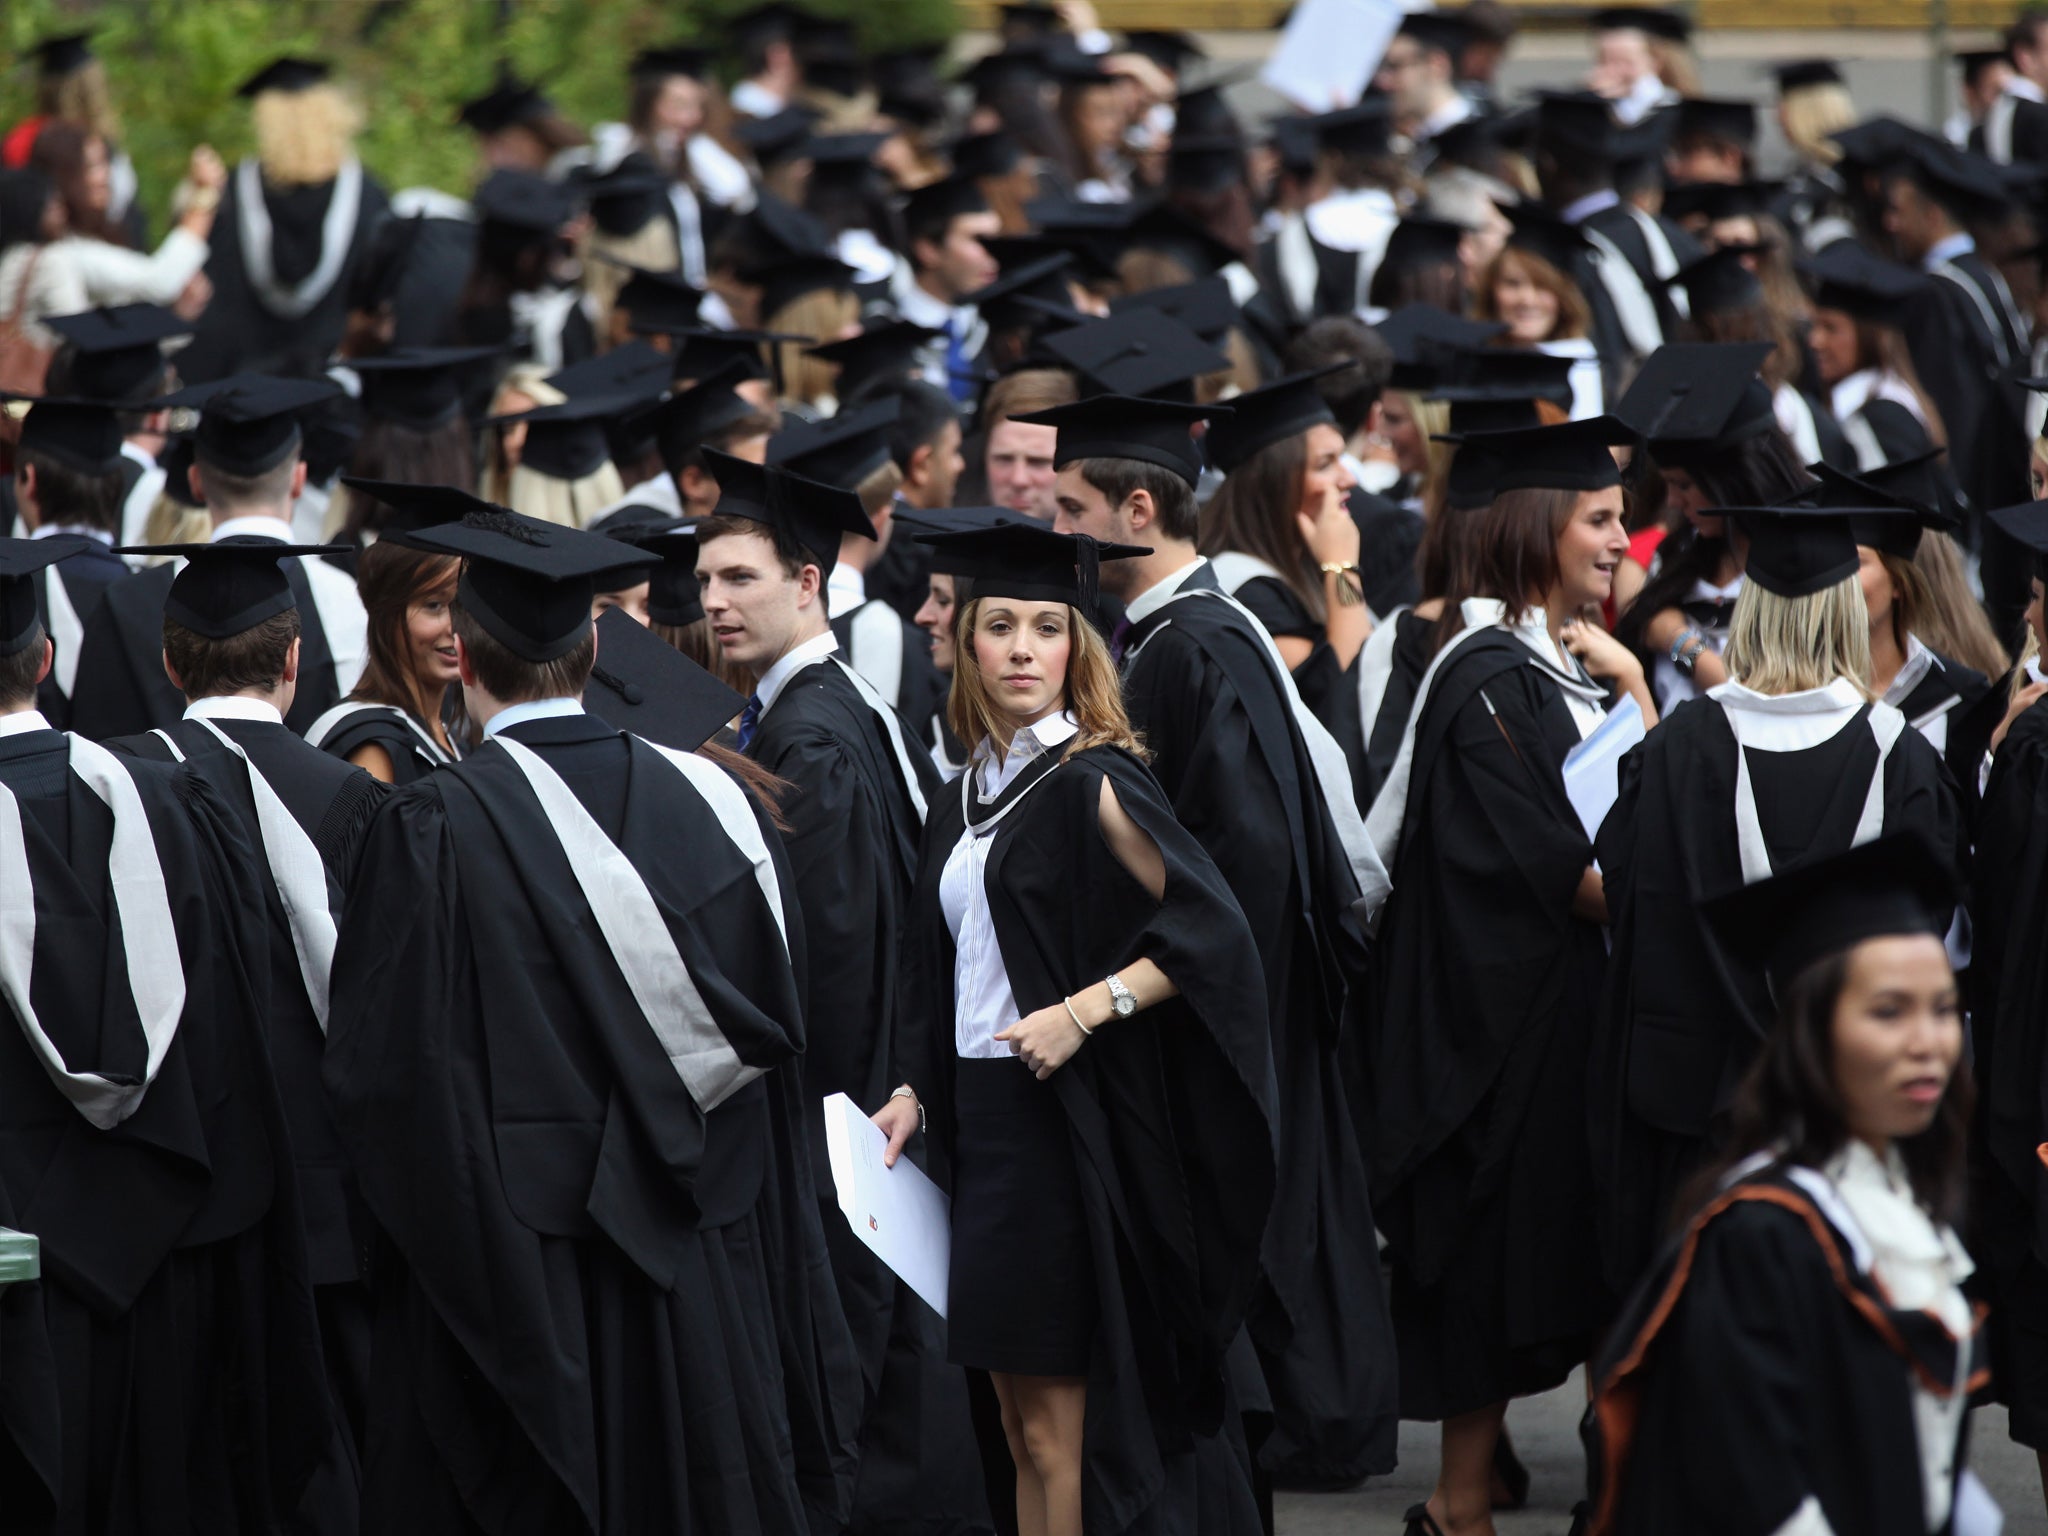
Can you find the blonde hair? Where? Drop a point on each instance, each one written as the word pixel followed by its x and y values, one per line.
pixel 523 387
pixel 1809 113
pixel 1677 65
pixel 1779 645
pixel 571 503
pixel 1094 696
pixel 820 315
pixel 1432 420
pixel 652 248
pixel 878 489
pixel 303 138
pixel 82 97
pixel 1949 618
pixel 172 522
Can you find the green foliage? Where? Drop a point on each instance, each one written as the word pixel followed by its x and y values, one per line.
pixel 174 65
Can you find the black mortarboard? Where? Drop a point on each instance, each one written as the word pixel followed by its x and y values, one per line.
pixel 1204 162
pixel 509 102
pixel 419 388
pixel 986 154
pixel 1469 483
pixel 1798 74
pixel 781 226
pixel 885 351
pixel 635 371
pixel 1126 427
pixel 1795 551
pixel 1892 886
pixel 1006 67
pixel 1420 241
pixel 772 140
pixel 835 70
pixel 701 352
pixel 230 585
pixel 1204 112
pixel 1043 279
pixel 626 198
pixel 286 74
pixel 1205 306
pixel 1028 561
pixel 1693 398
pixel 1723 120
pixel 1474 143
pixel 1575 123
pixel 176 462
pixel 1672 26
pixel 528 583
pixel 1166 227
pixel 1876 141
pixel 1718 282
pixel 812 516
pixel 117 354
pixel 1169 50
pixel 644 685
pixel 1492 375
pixel 841 450
pixel 1295 141
pixel 785 279
pixel 63 55
pixel 1573 456
pixel 657 302
pixel 918 104
pixel 1139 352
pixel 81 434
pixel 1923 482
pixel 20 613
pixel 567 441
pixel 1716 200
pixel 939 202
pixel 1443 31
pixel 694 415
pixel 1265 416
pixel 1067 63
pixel 2028 524
pixel 523 201
pixel 1974 61
pixel 1851 279
pixel 249 422
pixel 1543 234
pixel 1029 18
pixel 774 21
pixel 673 593
pixel 1359 130
pixel 955 520
pixel 1967 185
pixel 1413 326
pixel 676 59
pixel 844 152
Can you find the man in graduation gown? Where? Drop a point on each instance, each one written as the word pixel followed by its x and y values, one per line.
pixel 249 469
pixel 165 1372
pixel 231 646
pixel 115 355
pixel 561 1049
pixel 862 782
pixel 1267 792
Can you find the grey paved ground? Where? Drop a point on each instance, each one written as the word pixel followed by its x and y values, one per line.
pixel 1545 1431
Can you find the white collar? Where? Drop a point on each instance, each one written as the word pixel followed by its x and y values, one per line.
pixel 255 525
pixel 533 709
pixel 22 721
pixel 1947 250
pixel 1592 203
pixel 229 707
pixel 920 306
pixel 793 661
pixel 1704 590
pixel 2023 89
pixel 79 530
pixel 130 451
pixel 1918 663
pixel 1533 629
pixel 845 589
pixel 1154 598
pixel 1841 694
pixel 1031 742
pixel 1449 115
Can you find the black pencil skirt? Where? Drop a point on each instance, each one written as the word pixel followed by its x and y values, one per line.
pixel 1022 1294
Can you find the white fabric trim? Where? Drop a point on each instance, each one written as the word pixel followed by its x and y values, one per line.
pixel 1632 306
pixel 318 732
pixel 735 813
pixel 894 726
pixel 67 630
pixel 1807 1520
pixel 634 930
pixel 337 234
pixel 1863 439
pixel 876 633
pixel 343 620
pixel 1375 668
pixel 149 940
pixel 1234 568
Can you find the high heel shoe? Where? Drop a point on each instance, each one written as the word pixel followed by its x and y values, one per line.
pixel 1512 1475
pixel 1421 1522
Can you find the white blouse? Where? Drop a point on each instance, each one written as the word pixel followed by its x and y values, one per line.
pixel 74 274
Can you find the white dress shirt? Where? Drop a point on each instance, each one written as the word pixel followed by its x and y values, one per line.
pixel 1153 598
pixel 227 706
pixel 532 709
pixel 793 661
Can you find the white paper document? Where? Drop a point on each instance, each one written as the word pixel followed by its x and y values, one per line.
pixel 898 1212
pixel 1592 769
pixel 1976 1512
pixel 1330 50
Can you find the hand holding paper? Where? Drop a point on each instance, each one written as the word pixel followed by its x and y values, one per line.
pixel 902 1216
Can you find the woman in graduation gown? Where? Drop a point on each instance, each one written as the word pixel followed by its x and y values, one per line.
pixel 1093 1072
pixel 1487 968
pixel 1802 1356
pixel 1859 353
pixel 1789 761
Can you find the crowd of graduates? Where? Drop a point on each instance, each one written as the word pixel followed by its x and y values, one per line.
pixel 1401 744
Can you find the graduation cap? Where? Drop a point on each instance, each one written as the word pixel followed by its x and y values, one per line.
pixel 21 619
pixel 981 155
pixel 841 450
pixel 81 434
pixel 1205 113
pixel 917 104
pixel 1013 66
pixel 955 520
pixel 117 353
pixel 1974 61
pixel 1851 279
pixel 702 352
pixel 1411 328
pixel 1575 123
pixel 1922 482
pixel 1475 143
pixel 509 102
pixel 248 422
pixel 1043 279
pixel 938 203
pixel 775 21
pixel 783 279
pixel 1205 307
pixel 523 201
pixel 230 585
pixel 1717 200
pixel 1206 162
pixel 1066 62
pixel 289 75
pixel 528 583
pixel 1672 26
pixel 783 227
pixel 2027 524
pixel 1573 456
pixel 1127 427
pixel 1028 561
pixel 886 351
pixel 635 370
pixel 839 71
pixel 567 441
pixel 644 685
pixel 1891 886
pixel 1262 417
pixel 1296 142
pixel 419 388
pixel 1029 18
pixel 1699 397
pixel 1423 242
pixel 1889 519
pixel 1967 185
pixel 1499 375
pixel 626 198
pixel 657 302
pixel 1796 550
pixel 1171 51
pixel 774 140
pixel 1443 32
pixel 1139 352
pixel 1798 74
pixel 812 516
pixel 695 415
pixel 844 153
pixel 673 593
pixel 65 54
pixel 176 462
pixel 1718 282
pixel 1543 234
pixel 1722 120
pixel 1164 226
pixel 687 59
pixel 1359 130
pixel 1875 142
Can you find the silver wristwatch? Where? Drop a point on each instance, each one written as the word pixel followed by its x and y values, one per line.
pixel 1121 997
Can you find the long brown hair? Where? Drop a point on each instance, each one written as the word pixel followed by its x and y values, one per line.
pixel 1883 347
pixel 1253 512
pixel 1574 314
pixel 59 153
pixel 1094 695
pixel 391 579
pixel 1514 549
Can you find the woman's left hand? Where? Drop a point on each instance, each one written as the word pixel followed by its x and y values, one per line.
pixel 1331 535
pixel 1603 655
pixel 1045 1041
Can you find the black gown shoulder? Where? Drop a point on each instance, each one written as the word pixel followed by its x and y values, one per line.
pixel 386 726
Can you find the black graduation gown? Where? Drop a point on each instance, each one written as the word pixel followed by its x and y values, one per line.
pixel 164 1375
pixel 331 802
pixel 1171 1113
pixel 901 577
pixel 920 688
pixel 1202 692
pixel 122 689
pixel 86 577
pixel 1682 1016
pixel 852 840
pixel 1886 426
pixel 1336 291
pixel 1329 691
pixel 1619 225
pixel 239 331
pixel 1955 694
pixel 1757 1367
pixel 1389 535
pixel 1483 989
pixel 1412 649
pixel 382 725
pixel 599 1308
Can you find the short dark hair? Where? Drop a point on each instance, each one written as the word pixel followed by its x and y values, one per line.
pixel 19 669
pixel 254 658
pixel 922 413
pixel 70 496
pixel 2025 31
pixel 1353 393
pixel 794 556
pixel 933 225
pixel 1179 517
pixel 681 450
pixel 513 679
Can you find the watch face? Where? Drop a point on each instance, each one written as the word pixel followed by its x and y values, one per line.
pixel 1126 1006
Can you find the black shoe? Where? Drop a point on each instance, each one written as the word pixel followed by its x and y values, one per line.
pixel 1513 1476
pixel 1421 1522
